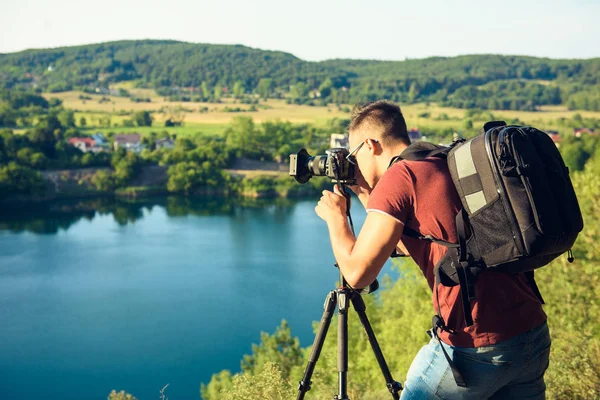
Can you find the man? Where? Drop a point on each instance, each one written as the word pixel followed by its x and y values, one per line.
pixel 504 354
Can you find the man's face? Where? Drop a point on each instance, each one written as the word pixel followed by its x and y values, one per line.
pixel 365 155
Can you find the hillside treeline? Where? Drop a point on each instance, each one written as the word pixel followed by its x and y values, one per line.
pixel 204 72
pixel 402 312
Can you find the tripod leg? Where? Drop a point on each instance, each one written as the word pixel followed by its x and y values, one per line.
pixel 343 304
pixel 328 307
pixel 393 386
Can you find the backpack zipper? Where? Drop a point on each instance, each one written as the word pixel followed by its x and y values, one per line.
pixel 521 167
pixel 501 190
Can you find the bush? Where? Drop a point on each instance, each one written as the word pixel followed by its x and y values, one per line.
pixel 114 395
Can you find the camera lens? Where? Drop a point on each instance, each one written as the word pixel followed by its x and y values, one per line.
pixel 317 165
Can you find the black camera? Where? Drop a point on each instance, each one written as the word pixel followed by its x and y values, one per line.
pixel 333 165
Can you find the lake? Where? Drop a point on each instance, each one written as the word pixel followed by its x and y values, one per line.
pixel 101 294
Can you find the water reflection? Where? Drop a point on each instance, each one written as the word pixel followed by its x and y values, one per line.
pixel 50 218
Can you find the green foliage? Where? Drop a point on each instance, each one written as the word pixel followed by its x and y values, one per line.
pixel 114 395
pixel 241 136
pixel 186 176
pixel 218 383
pixel 66 118
pixel 187 71
pixel 266 371
pixel 587 99
pixel 264 87
pixel 269 383
pixel 142 118
pixel 505 95
pixel 275 140
pixel 238 90
pixel 577 151
pixel 18 179
pixel 281 348
pixel 104 181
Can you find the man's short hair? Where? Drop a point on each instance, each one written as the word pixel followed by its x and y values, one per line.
pixel 384 115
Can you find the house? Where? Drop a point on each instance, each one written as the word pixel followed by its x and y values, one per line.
pixel 130 142
pixel 415 135
pixel 338 140
pixel 99 138
pixel 164 143
pixel 578 132
pixel 87 144
pixel 84 144
pixel 102 143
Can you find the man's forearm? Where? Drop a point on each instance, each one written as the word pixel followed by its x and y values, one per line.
pixel 342 244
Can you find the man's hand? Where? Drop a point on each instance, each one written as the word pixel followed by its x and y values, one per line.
pixel 332 206
pixel 362 188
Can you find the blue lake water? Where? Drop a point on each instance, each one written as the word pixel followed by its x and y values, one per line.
pixel 101 295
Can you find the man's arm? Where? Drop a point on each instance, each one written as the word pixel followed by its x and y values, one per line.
pixel 361 188
pixel 360 259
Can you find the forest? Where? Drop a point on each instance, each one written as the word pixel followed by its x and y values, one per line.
pixel 204 72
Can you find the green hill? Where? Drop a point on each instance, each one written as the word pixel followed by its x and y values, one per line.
pixel 195 70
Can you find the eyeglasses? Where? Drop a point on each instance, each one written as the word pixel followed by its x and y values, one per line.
pixel 351 157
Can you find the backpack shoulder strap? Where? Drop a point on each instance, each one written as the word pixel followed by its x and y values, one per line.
pixel 493 124
pixel 421 150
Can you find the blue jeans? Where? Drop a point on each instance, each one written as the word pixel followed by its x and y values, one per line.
pixel 512 369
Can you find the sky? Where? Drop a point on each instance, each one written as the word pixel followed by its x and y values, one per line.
pixel 316 30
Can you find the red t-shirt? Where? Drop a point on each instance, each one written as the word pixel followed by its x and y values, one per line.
pixel 421 195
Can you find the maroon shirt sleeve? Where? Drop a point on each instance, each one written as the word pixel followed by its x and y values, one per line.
pixel 394 194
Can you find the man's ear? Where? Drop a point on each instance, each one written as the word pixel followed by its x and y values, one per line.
pixel 374 146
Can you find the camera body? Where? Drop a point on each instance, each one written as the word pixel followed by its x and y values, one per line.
pixel 334 165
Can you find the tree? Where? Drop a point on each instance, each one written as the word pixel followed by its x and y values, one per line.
pixel 238 90
pixel 142 118
pixel 103 181
pixel 82 122
pixel 8 116
pixel 174 116
pixel 114 395
pixel 299 91
pixel 264 88
pixel 281 348
pixel 325 88
pixel 184 177
pixel 468 124
pixel 218 91
pixel 15 178
pixel 67 118
pixel 414 91
pixel 45 133
pixel 205 91
pixel 241 136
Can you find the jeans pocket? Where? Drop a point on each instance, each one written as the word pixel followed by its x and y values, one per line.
pixel 485 358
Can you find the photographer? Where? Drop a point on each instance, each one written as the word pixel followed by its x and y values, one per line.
pixel 504 354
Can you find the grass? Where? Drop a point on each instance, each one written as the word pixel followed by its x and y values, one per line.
pixel 267 111
pixel 212 122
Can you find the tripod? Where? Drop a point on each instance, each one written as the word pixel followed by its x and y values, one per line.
pixel 342 297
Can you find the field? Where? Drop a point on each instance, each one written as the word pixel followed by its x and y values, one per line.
pixel 212 118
